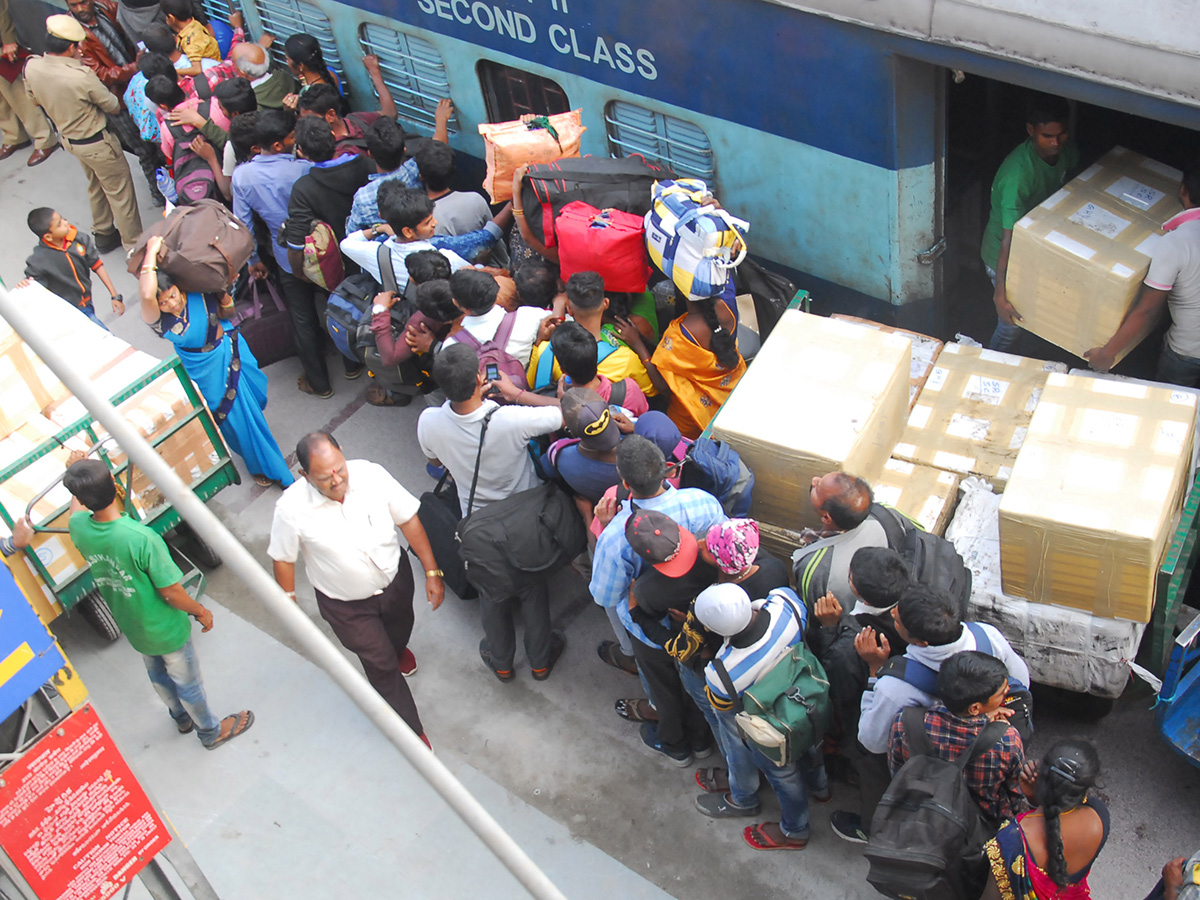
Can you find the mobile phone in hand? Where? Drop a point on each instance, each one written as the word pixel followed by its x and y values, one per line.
pixel 491 371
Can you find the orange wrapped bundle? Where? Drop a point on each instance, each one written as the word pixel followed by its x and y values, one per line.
pixel 531 139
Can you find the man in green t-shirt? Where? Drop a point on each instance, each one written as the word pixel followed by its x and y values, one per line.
pixel 1037 168
pixel 133 569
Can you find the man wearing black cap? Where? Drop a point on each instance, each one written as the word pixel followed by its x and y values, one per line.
pixel 76 101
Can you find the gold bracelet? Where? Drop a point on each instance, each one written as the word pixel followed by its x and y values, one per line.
pixel 228 305
pixel 434 573
pixel 147 270
pixel 519 212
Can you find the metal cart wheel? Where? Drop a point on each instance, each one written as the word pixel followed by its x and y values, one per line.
pixel 97 614
pixel 203 552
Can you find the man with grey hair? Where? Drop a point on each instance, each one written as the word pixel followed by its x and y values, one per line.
pixel 271 83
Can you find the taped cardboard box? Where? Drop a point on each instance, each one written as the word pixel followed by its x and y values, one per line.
pixel 1095 495
pixel 189 452
pixel 1066 648
pixel 924 494
pixel 1079 257
pixel 925 350
pixel 972 413
pixel 821 395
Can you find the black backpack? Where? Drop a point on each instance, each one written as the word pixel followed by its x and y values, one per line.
pixel 932 560
pixel 928 834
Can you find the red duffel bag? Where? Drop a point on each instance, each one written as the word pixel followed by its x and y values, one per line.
pixel 609 242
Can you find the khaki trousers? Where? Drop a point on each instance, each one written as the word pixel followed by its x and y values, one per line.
pixel 20 119
pixel 110 188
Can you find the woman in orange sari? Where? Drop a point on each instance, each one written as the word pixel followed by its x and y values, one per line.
pixel 699 359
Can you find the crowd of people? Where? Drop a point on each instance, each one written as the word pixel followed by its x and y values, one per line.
pixel 528 379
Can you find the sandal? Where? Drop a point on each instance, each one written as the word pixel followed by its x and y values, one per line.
pixel 713 780
pixel 757 837
pixel 610 653
pixel 185 727
pixel 306 388
pixel 263 481
pixel 241 724
pixel 636 710
pixel 378 396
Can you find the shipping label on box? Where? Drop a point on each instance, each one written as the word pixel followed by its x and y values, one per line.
pixel 973 411
pixel 922 493
pixel 925 350
pixel 1095 494
pixel 822 395
pixel 1078 258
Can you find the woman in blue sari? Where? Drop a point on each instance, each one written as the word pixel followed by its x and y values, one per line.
pixel 219 362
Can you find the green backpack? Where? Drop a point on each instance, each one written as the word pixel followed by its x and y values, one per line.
pixel 786 712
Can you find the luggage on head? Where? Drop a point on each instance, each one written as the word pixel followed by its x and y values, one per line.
pixel 695 244
pixel 530 139
pixel 206 247
pixel 608 242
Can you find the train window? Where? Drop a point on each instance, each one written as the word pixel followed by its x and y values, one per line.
pixel 680 146
pixel 413 71
pixel 218 9
pixel 283 18
pixel 511 93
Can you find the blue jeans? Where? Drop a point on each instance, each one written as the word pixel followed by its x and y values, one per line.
pixel 1174 368
pixel 176 677
pixel 90 311
pixel 1005 337
pixel 790 783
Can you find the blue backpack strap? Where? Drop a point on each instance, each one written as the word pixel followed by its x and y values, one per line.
pixel 603 351
pixel 545 368
pixel 982 643
pixel 911 672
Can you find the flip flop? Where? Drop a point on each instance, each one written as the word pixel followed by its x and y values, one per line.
pixel 610 653
pixel 635 709
pixel 241 724
pixel 305 387
pixel 713 779
pixel 263 481
pixel 756 837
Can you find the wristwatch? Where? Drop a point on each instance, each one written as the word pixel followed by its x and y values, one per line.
pixel 378 308
pixel 434 573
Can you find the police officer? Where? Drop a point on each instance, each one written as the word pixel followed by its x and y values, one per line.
pixel 20 120
pixel 76 101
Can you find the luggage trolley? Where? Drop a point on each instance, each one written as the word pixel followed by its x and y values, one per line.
pixel 53 573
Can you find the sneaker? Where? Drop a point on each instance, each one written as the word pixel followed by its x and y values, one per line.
pixel 352 371
pixel 486 655
pixel 558 643
pixel 848 826
pixel 721 806
pixel 650 739
pixel 408 663
pixel 702 751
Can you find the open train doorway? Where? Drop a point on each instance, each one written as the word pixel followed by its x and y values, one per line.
pixel 985 120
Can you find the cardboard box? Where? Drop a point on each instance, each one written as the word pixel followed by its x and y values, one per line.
pixel 924 494
pixel 971 416
pixel 925 350
pixel 1079 257
pixel 822 395
pixel 1094 497
pixel 189 452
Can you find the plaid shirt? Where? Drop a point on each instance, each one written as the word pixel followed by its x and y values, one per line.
pixel 615 565
pixel 364 212
pixel 993 778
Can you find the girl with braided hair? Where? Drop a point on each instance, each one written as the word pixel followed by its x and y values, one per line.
pixel 1046 853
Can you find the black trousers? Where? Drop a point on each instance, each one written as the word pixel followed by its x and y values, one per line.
pixel 500 631
pixel 376 629
pixel 301 299
pixel 681 725
pixel 873 780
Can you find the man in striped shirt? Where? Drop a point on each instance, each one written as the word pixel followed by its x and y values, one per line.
pixel 758 634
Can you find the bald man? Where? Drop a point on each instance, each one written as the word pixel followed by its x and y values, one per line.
pixel 271 83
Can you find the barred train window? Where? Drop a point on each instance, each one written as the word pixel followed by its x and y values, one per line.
pixel 510 93
pixel 680 146
pixel 283 18
pixel 413 70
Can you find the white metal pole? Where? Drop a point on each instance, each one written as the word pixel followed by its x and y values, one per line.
pixel 263 586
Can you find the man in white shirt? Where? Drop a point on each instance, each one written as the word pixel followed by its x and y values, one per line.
pixel 475 294
pixel 450 436
pixel 342 519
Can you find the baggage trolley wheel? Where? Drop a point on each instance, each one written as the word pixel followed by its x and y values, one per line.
pixel 203 553
pixel 97 614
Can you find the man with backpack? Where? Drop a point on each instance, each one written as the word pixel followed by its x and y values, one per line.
pixel 758 635
pixel 957 774
pixel 929 621
pixel 497 336
pixel 485 447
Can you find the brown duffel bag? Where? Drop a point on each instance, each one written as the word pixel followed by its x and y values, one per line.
pixel 206 247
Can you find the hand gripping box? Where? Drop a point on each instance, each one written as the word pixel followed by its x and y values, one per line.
pixel 821 395
pixel 1095 494
pixel 925 350
pixel 1079 257
pixel 971 415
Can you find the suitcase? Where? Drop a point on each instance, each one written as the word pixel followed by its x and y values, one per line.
pixel 609 242
pixel 266 328
pixel 439 514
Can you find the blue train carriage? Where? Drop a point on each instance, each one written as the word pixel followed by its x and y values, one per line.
pixel 825 123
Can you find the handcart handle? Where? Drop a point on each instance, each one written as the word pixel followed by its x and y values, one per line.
pixel 51 486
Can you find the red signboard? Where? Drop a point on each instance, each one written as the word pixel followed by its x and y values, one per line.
pixel 72 816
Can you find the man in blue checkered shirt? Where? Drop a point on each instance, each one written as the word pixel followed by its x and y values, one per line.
pixel 643 470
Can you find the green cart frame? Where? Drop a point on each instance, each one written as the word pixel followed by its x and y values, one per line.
pixel 71 591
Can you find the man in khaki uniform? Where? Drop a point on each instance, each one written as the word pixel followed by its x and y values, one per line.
pixel 20 120
pixel 76 101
